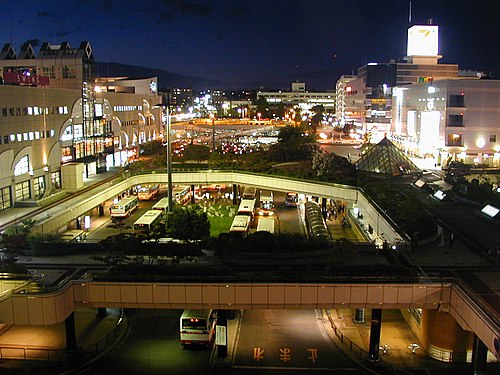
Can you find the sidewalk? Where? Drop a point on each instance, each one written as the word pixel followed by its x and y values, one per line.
pixel 45 346
pixel 14 213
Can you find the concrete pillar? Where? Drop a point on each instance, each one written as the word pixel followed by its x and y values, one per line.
pixel 192 195
pixel 360 316
pixel 323 207
pixel 101 209
pixel 376 325
pixel 69 325
pixel 479 354
pixel 235 194
pixel 222 321
pixel 78 223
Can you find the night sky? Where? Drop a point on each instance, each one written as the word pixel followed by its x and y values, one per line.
pixel 257 42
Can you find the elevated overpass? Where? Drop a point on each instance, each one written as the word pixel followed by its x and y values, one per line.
pixel 374 221
pixel 21 307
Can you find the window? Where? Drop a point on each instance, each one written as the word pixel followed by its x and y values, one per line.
pixel 22 166
pixel 454 140
pixel 5 200
pixel 56 180
pixel 455 120
pixel 39 187
pixel 4 111
pixel 493 138
pixel 456 101
pixel 23 191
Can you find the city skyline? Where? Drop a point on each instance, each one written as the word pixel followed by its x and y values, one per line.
pixel 265 43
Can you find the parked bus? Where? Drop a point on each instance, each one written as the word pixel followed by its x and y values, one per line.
pixel 266 204
pixel 161 205
pixel 249 192
pixel 197 327
pixel 181 194
pixel 146 193
pixel 247 207
pixel 266 224
pixel 291 199
pixel 148 220
pixel 125 207
pixel 241 224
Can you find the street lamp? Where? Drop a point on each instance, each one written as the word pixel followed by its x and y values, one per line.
pixel 169 153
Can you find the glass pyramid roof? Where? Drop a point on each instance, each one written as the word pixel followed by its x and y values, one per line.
pixel 386 158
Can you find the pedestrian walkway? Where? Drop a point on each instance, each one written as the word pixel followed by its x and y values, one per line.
pixel 94 334
pixel 14 213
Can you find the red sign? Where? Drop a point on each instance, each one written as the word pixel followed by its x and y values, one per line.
pixel 21 79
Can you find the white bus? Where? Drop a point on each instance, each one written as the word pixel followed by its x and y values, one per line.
pixel 266 224
pixel 148 220
pixel 249 193
pixel 161 205
pixel 291 199
pixel 241 224
pixel 247 207
pixel 125 207
pixel 197 327
pixel 266 202
pixel 146 193
pixel 181 194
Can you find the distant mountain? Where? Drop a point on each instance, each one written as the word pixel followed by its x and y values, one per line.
pixel 165 79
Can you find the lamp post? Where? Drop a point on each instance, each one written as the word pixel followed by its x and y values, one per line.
pixel 169 157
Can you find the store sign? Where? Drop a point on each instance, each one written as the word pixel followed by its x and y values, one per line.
pixel 22 79
pixel 220 335
pixel 423 40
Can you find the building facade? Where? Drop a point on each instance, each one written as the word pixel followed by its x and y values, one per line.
pixel 46 123
pixel 301 97
pixel 453 119
pixel 368 96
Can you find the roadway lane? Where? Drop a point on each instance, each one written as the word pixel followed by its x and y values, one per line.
pixel 288 341
pixel 151 346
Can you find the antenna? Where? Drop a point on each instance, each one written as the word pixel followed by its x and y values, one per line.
pixel 409 14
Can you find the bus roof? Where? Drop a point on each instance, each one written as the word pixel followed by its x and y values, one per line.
pixel 246 205
pixel 240 223
pixel 266 224
pixel 161 204
pixel 194 313
pixel 149 217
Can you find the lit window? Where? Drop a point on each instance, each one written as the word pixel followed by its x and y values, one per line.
pixel 31 136
pixel 12 137
pixel 30 111
pixel 19 137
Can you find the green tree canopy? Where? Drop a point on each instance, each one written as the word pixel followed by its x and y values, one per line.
pixel 196 153
pixel 188 223
pixel 334 168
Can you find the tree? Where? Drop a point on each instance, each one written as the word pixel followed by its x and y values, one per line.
pixel 188 223
pixel 334 168
pixel 317 117
pixel 262 107
pixel 15 239
pixel 196 153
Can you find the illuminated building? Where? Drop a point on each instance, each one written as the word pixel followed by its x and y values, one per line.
pixel 453 119
pixel 368 96
pixel 48 122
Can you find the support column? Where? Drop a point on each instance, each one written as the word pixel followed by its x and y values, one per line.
pixel 360 316
pixel 323 207
pixel 222 321
pixel 376 325
pixel 192 195
pixel 69 325
pixel 101 209
pixel 101 312
pixel 78 223
pixel 235 194
pixel 479 354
